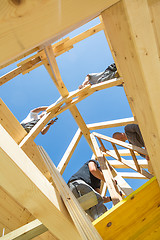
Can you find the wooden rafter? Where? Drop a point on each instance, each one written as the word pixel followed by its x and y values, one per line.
pixel 20 173
pixel 110 182
pixel 66 157
pixel 110 124
pixel 137 55
pixel 81 221
pixel 28 231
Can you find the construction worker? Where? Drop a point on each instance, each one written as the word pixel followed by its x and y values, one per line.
pixel 88 179
pixel 133 135
pixel 33 117
pixel 108 74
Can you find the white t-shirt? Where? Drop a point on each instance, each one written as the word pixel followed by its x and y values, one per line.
pixel 31 116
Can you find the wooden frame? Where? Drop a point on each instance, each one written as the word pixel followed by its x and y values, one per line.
pixel 136 54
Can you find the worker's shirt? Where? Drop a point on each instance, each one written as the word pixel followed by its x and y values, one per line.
pixel 30 117
pixel 85 175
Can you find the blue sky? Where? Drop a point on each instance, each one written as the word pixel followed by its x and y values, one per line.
pixel 36 88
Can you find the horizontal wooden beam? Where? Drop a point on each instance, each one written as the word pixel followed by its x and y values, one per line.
pixel 40 25
pixel 120 143
pixel 22 180
pixel 110 124
pixel 117 164
pixel 137 55
pixel 29 65
pixel 132 175
pixel 122 152
pixel 28 231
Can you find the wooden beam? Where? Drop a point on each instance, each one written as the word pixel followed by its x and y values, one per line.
pixel 122 152
pixel 64 92
pixel 62 46
pixel 107 173
pixel 126 189
pixel 62 100
pixel 28 231
pixel 10 123
pixel 117 164
pixel 136 217
pixel 81 221
pixel 21 178
pixel 125 162
pixel 132 175
pixel 13 215
pixel 112 123
pixel 120 143
pixel 66 157
pixel 40 25
pixel 137 54
pixel 29 65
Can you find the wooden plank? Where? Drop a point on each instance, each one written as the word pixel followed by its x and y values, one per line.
pixel 112 123
pixel 107 173
pixel 17 132
pixel 154 8
pixel 110 83
pixel 28 231
pixel 120 143
pixel 64 92
pixel 10 123
pixel 126 189
pixel 21 178
pixel 131 175
pixel 116 151
pixel 19 57
pixel 138 58
pixel 62 100
pixel 81 221
pixel 13 215
pixel 55 71
pixel 65 44
pixel 79 37
pixel 135 217
pixel 29 65
pixel 122 152
pixel 135 161
pixel 125 162
pixel 68 153
pixel 117 164
pixel 19 30
pixel 47 235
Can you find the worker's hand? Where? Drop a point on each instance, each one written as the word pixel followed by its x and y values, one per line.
pixel 52 121
pixel 107 199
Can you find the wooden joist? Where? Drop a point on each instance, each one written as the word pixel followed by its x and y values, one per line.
pixel 28 231
pixel 137 55
pixel 117 164
pixel 21 179
pixel 81 221
pixel 39 24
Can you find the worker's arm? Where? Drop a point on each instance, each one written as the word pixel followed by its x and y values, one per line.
pixel 46 128
pixel 39 109
pixel 95 171
pixel 86 81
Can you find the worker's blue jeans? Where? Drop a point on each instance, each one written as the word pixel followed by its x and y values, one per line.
pixel 80 188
